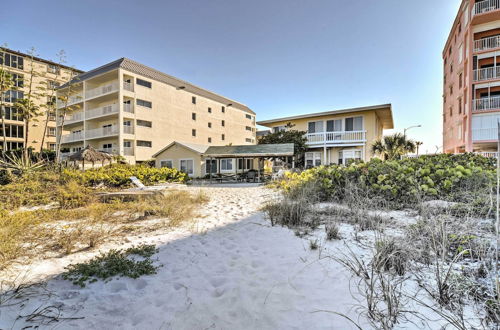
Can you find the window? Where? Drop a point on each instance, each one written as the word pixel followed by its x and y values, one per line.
pixel 277 129
pixel 53 68
pixel 144 123
pixel 13 61
pixel 18 79
pixel 354 124
pixel 451 68
pixel 460 53
pixel 209 125
pixel 143 83
pixel 313 159
pixel 223 123
pixel 52 116
pixel 147 144
pixel 210 166
pixel 244 164
pixel 249 140
pixel 166 163
pixel 51 131
pixel 449 51
pixel 346 156
pixel 193 99
pixel 193 132
pixel 209 140
pixel 315 127
pixel 334 125
pixel 248 128
pixel 13 96
pixel 187 166
pixel 52 146
pixel 451 111
pixel 12 113
pixel 459 131
pixel 15 131
pixel 248 116
pixel 460 76
pixel 209 110
pixel 459 105
pixel 53 84
pixel 223 109
pixel 223 137
pixel 143 103
pixel 193 116
pixel 226 164
pixel 107 146
pixel 451 89
pixel 127 144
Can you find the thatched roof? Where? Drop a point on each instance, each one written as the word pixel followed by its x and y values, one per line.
pixel 89 154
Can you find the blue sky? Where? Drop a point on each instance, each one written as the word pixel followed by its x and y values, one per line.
pixel 280 57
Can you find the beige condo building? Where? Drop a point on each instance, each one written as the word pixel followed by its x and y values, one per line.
pixel 49 75
pixel 128 109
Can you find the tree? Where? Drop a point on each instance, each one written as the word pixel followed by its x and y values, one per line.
pixel 298 138
pixel 6 83
pixel 393 146
pixel 63 96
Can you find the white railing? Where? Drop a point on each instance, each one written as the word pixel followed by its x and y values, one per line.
pixel 102 111
pixel 101 90
pixel 128 108
pixel 72 137
pixel 336 137
pixel 72 99
pixel 487 73
pixel 489 154
pixel 71 118
pixel 485 104
pixel 487 43
pixel 484 134
pixel 128 86
pixel 128 151
pixel 101 132
pixel 128 129
pixel 485 6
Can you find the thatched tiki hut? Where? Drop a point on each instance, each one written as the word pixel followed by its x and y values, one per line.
pixel 90 155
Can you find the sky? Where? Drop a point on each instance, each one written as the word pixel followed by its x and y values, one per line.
pixel 279 57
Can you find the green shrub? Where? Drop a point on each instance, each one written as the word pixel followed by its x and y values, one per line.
pixel 113 263
pixel 401 182
pixel 118 175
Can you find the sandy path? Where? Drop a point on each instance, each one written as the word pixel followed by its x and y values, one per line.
pixel 237 272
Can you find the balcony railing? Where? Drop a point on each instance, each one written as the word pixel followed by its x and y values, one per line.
pixel 101 90
pixel 488 154
pixel 487 73
pixel 487 43
pixel 336 137
pixel 128 108
pixel 72 137
pixel 128 86
pixel 101 132
pixel 71 118
pixel 484 134
pixel 128 129
pixel 128 151
pixel 486 104
pixel 102 111
pixel 72 99
pixel 485 6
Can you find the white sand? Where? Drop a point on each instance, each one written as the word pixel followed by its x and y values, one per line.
pixel 232 271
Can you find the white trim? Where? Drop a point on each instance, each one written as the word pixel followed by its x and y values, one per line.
pixel 232 165
pixel 187 159
pixel 166 160
pixel 343 118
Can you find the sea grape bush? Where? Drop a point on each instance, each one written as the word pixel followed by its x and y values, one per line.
pixel 398 181
pixel 118 175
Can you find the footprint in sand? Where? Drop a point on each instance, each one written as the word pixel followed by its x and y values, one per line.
pixel 140 284
pixel 217 281
pixel 218 292
pixel 117 286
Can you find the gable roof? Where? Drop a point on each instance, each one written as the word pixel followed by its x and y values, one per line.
pixel 384 111
pixel 258 150
pixel 198 148
pixel 145 71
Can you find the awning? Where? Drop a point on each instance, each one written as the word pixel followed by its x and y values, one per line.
pixel 250 151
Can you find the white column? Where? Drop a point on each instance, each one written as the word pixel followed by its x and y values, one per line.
pixel 121 150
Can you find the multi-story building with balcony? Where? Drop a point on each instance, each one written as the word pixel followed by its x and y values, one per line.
pixel 49 75
pixel 128 109
pixel 471 91
pixel 334 137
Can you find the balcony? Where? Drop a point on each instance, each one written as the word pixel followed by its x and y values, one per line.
pixel 484 134
pixel 101 132
pixel 128 86
pixel 128 151
pixel 71 118
pixel 72 99
pixel 487 43
pixel 128 129
pixel 487 73
pixel 486 104
pixel 72 137
pixel 485 7
pixel 488 154
pixel 128 108
pixel 101 90
pixel 102 111
pixel 343 137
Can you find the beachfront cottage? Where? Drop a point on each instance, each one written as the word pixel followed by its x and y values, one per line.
pixel 201 160
pixel 337 136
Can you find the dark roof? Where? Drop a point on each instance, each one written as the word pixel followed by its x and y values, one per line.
pixel 39 59
pixel 259 150
pixel 145 71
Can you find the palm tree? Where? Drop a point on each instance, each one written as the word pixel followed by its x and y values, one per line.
pixel 6 83
pixel 393 146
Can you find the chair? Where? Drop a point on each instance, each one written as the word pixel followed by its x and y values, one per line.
pixel 251 175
